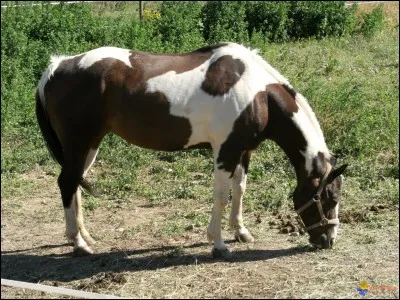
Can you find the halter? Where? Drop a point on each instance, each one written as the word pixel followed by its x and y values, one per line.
pixel 317 200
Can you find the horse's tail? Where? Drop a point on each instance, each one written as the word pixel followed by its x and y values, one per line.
pixel 52 142
pixel 49 135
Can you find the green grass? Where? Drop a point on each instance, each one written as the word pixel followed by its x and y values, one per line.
pixel 351 83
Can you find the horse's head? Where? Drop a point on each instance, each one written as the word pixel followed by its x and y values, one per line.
pixel 316 200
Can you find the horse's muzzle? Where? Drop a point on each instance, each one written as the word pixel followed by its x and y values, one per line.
pixel 322 242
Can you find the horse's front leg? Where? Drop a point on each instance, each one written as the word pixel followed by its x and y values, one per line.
pixel 221 192
pixel 238 188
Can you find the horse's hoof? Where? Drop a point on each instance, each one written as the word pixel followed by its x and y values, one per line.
pixel 89 240
pixel 224 254
pixel 244 237
pixel 79 252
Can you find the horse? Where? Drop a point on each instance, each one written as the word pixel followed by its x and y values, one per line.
pixel 224 97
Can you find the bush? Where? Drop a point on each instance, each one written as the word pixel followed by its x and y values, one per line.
pixel 225 21
pixel 372 22
pixel 179 26
pixel 282 21
pixel 320 18
pixel 269 18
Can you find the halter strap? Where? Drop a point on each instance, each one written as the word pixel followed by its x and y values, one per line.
pixel 317 200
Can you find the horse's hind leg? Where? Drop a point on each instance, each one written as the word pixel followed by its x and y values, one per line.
pixel 91 157
pixel 68 181
pixel 238 188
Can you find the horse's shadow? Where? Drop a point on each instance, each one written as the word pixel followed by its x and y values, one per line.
pixel 63 267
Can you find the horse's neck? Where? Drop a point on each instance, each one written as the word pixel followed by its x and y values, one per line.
pixel 298 135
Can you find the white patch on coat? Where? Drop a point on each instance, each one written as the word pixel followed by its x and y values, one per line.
pixel 313 136
pixel 98 54
pixel 301 101
pixel 314 142
pixel 211 118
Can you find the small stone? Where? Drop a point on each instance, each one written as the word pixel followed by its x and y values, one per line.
pixel 120 229
pixel 294 233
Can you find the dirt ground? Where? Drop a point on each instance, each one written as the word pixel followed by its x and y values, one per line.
pixel 136 257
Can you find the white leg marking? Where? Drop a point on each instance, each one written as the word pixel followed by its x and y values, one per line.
pixel 335 227
pixel 91 157
pixel 221 192
pixel 79 218
pixel 238 188
pixel 72 230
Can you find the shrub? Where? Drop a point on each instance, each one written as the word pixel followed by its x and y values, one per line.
pixel 372 22
pixel 269 18
pixel 225 21
pixel 320 19
pixel 178 25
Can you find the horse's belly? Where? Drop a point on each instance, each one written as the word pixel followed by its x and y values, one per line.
pixel 157 131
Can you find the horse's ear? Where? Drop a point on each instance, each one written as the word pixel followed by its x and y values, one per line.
pixel 335 173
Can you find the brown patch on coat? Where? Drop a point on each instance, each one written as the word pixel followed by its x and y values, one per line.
pixel 268 116
pixel 290 90
pixel 284 96
pixel 247 134
pixel 281 106
pixel 210 48
pixel 222 75
pixel 153 65
pixel 72 102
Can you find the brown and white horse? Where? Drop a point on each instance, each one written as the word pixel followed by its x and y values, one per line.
pixel 224 97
